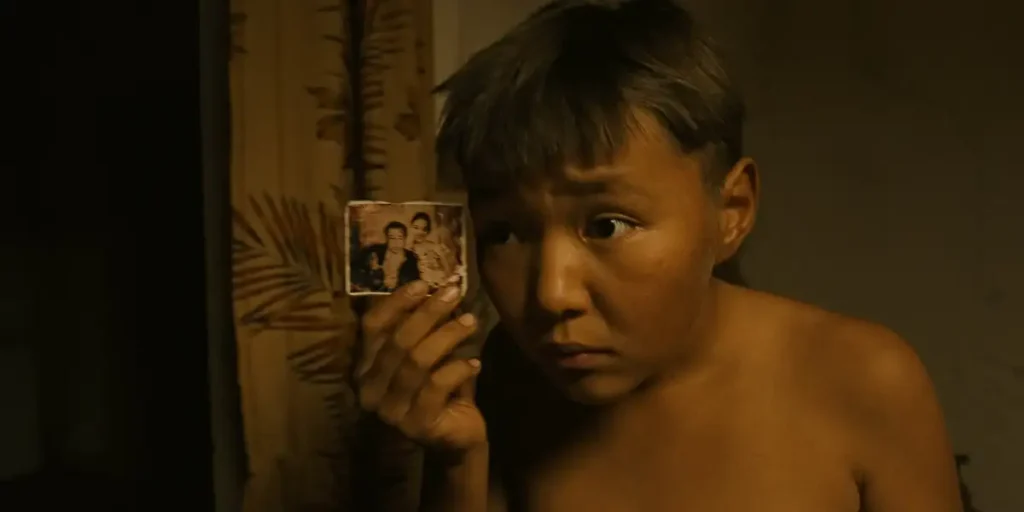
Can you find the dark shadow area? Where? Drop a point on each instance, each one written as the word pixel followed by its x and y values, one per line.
pixel 103 240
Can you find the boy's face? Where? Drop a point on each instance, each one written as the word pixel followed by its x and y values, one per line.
pixel 602 275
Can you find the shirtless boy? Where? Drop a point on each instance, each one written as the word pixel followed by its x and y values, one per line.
pixel 600 142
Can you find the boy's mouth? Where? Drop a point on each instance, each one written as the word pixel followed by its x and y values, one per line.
pixel 578 356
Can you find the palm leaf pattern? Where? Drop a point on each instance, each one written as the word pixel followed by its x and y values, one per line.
pixel 359 87
pixel 288 256
pixel 287 271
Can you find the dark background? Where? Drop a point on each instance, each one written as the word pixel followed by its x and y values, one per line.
pixel 104 264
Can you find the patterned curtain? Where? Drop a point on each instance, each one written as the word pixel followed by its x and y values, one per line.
pixel 330 102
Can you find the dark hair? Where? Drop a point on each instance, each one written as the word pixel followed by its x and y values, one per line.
pixel 395 225
pixel 424 217
pixel 566 87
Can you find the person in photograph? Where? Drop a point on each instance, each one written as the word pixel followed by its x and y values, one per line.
pixel 449 230
pixel 436 260
pixel 387 266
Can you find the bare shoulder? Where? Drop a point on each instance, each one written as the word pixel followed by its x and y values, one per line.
pixel 862 363
pixel 857 362
pixel 875 390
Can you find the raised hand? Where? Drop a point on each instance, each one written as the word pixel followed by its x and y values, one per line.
pixel 406 376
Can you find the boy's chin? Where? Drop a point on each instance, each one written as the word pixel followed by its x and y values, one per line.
pixel 598 388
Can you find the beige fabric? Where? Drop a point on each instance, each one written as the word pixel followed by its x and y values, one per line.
pixel 291 174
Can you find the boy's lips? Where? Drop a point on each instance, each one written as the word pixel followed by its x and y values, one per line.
pixel 578 356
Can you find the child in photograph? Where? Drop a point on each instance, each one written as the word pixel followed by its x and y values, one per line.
pixel 436 261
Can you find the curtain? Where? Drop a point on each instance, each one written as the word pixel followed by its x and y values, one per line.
pixel 330 101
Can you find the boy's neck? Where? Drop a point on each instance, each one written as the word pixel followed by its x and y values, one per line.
pixel 709 348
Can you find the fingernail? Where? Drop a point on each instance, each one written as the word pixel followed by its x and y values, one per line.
pixel 475 363
pixel 417 289
pixel 450 294
pixel 467 319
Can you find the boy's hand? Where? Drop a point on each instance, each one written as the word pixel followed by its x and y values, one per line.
pixel 404 375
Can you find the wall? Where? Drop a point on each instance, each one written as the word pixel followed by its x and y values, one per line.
pixel 887 134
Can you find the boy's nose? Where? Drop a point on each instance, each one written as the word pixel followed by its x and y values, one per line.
pixel 560 283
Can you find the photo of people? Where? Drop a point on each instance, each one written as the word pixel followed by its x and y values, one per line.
pixel 393 244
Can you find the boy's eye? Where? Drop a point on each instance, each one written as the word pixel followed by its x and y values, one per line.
pixel 603 228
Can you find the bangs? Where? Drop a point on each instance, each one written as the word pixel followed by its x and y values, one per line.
pixel 542 127
pixel 569 91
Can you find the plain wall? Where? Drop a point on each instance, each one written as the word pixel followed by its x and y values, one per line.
pixel 887 134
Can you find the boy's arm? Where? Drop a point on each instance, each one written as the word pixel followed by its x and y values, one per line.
pixel 468 483
pixel 458 484
pixel 907 463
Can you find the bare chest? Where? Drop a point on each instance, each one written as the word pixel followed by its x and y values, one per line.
pixel 736 463
pixel 765 482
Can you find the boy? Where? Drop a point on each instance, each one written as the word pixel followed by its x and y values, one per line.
pixel 600 142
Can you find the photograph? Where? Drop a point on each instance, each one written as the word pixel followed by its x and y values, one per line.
pixel 393 244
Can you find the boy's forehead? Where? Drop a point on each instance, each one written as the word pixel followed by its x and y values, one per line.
pixel 640 169
pixel 645 143
pixel 620 181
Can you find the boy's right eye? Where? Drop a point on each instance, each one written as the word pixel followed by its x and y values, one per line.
pixel 498 234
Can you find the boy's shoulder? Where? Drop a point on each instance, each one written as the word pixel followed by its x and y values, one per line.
pixel 864 377
pixel 850 357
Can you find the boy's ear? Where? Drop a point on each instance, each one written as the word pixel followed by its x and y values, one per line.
pixel 738 201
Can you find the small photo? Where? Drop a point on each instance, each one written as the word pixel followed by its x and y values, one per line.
pixel 393 244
